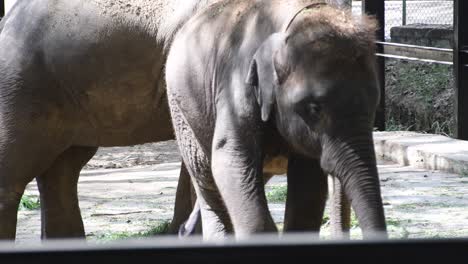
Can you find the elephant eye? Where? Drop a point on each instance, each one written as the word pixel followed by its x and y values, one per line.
pixel 313 108
pixel 309 110
pixel 310 113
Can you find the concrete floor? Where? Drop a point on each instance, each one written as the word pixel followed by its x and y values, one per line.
pixel 131 189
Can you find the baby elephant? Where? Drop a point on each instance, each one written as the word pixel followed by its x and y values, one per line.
pixel 253 82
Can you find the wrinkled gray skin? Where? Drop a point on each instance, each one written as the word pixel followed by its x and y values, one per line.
pixel 252 93
pixel 76 75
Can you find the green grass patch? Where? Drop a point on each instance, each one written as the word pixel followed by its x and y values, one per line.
pixel 325 219
pixel 115 236
pixel 393 222
pixel 422 80
pixel 405 234
pixel 419 97
pixel 410 206
pixel 29 203
pixel 280 227
pixel 160 229
pixel 423 205
pixel 392 125
pixel 277 194
pixel 464 174
pixel 354 221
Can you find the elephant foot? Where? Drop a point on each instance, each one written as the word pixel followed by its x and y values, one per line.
pixel 9 202
pixel 64 224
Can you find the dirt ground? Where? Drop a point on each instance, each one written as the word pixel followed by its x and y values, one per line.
pixel 126 190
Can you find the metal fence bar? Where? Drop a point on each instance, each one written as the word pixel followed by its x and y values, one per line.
pixel 403 16
pixel 2 8
pixel 382 252
pixel 460 67
pixel 416 53
pixel 377 8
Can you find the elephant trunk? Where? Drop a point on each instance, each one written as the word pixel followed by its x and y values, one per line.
pixel 352 160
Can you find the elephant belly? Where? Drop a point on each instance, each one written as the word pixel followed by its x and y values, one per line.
pixel 119 95
pixel 124 113
pixel 275 165
pixel 148 130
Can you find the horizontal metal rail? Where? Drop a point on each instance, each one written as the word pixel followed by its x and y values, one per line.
pixel 415 53
pixel 291 249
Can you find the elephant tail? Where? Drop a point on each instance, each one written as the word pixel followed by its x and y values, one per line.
pixel 189 227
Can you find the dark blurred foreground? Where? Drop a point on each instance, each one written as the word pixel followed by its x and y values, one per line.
pixel 302 248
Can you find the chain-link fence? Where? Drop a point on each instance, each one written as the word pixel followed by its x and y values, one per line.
pixel 427 12
pixel 403 12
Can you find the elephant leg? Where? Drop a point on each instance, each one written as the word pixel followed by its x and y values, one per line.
pixel 306 196
pixel 60 211
pixel 9 200
pixel 184 200
pixel 214 216
pixel 340 216
pixel 216 222
pixel 237 165
pixel 10 196
pixel 192 225
pixel 21 159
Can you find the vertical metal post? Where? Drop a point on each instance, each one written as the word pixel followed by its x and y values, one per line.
pixel 377 8
pixel 460 49
pixel 404 13
pixel 2 8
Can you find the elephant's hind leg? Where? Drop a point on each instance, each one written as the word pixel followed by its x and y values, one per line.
pixel 184 200
pixel 307 195
pixel 60 211
pixel 22 158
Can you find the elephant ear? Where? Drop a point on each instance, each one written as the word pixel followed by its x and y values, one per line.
pixel 263 75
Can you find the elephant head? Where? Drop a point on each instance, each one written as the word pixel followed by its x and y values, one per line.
pixel 317 83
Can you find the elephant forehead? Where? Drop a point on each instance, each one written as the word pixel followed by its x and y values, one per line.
pixel 306 82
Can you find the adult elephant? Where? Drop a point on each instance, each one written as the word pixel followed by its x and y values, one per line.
pixel 275 79
pixel 76 75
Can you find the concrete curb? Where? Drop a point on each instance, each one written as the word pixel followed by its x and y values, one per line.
pixel 426 151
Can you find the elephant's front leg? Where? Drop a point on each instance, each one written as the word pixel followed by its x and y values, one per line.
pixel 307 194
pixel 237 170
pixel 216 223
